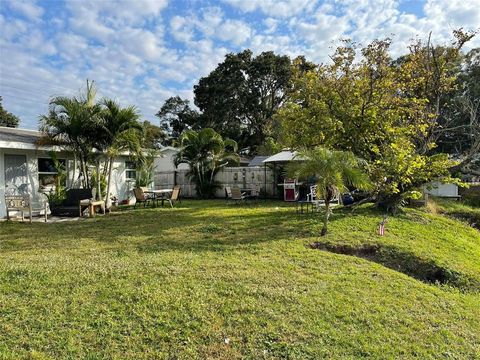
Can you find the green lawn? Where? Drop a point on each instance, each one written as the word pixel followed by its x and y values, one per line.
pixel 210 280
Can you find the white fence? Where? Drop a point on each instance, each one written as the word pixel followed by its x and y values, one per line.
pixel 243 177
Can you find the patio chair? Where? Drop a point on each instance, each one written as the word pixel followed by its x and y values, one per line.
pixel 228 193
pixel 237 195
pixel 175 197
pixel 255 193
pixel 319 203
pixel 140 197
pixel 312 195
pixel 23 203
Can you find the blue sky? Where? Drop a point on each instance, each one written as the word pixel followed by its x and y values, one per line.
pixel 142 52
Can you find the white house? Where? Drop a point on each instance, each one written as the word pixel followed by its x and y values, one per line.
pixel 26 167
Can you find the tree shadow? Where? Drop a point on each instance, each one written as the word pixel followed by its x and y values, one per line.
pixel 187 228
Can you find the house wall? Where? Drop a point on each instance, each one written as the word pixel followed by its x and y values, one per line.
pixel 164 162
pixel 119 186
pixel 32 174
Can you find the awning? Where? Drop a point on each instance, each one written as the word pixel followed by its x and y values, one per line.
pixel 282 156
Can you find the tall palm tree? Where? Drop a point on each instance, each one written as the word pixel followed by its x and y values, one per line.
pixel 206 153
pixel 70 123
pixel 121 132
pixel 334 170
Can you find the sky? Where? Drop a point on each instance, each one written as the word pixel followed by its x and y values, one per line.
pixel 141 52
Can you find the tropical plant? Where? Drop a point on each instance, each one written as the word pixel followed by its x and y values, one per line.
pixel 58 193
pixel 72 123
pixel 121 131
pixel 206 153
pixel 334 170
pixel 99 182
pixel 145 168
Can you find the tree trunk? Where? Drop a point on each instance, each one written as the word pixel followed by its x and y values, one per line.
pixel 326 217
pixel 108 202
pixel 99 186
pixel 82 170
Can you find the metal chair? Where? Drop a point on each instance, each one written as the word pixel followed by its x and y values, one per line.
pixel 175 195
pixel 140 197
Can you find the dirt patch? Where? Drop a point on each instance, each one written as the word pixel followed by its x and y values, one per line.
pixel 407 263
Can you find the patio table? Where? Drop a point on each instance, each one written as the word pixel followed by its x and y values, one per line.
pixel 158 194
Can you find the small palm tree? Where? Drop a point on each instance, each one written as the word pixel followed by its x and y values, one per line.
pixel 206 153
pixel 121 132
pixel 70 123
pixel 334 170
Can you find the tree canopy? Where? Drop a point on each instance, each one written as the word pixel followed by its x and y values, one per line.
pixel 237 99
pixel 176 116
pixel 387 112
pixel 7 118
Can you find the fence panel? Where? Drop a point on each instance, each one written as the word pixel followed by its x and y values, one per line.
pixel 243 177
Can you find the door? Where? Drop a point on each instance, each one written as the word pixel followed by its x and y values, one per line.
pixel 16 182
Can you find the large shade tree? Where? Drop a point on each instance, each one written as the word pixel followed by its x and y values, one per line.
pixel 7 118
pixel 176 115
pixel 205 152
pixel 383 111
pixel 239 97
pixel 335 171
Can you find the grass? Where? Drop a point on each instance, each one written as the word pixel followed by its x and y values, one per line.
pixel 210 280
pixel 461 210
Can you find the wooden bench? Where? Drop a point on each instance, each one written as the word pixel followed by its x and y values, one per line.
pixel 23 203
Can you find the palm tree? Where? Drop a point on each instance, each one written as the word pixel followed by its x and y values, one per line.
pixel 206 153
pixel 70 123
pixel 121 132
pixel 334 170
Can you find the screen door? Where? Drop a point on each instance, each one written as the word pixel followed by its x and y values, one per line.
pixel 16 174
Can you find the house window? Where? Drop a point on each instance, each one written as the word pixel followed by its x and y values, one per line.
pixel 130 170
pixel 48 172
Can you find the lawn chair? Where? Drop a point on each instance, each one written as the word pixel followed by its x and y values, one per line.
pixel 228 193
pixel 255 193
pixel 312 195
pixel 140 197
pixel 319 203
pixel 237 195
pixel 175 197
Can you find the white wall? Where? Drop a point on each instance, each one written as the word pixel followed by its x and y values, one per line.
pixel 442 190
pixel 32 174
pixel 164 162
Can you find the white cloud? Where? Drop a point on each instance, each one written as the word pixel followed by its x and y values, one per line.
pixel 27 8
pixel 182 29
pixel 235 31
pixel 275 8
pixel 140 54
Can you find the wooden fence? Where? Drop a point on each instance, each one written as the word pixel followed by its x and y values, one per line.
pixel 243 177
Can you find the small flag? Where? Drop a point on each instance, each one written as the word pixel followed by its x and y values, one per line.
pixel 381 228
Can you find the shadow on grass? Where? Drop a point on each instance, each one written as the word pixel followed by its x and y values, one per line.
pixel 198 226
pixel 405 262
